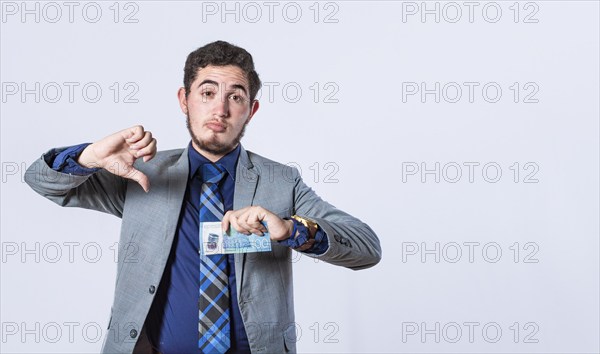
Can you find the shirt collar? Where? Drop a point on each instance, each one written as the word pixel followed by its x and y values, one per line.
pixel 228 161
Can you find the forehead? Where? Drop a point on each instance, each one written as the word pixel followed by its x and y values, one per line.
pixel 228 75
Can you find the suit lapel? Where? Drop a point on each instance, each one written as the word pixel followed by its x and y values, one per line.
pixel 177 180
pixel 246 179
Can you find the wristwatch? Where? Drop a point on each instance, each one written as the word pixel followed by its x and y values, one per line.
pixel 312 228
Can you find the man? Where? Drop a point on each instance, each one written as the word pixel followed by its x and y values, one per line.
pixel 170 299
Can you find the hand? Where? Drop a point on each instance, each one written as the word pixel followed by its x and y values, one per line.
pixel 248 221
pixel 117 152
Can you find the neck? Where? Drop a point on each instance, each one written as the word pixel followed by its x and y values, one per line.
pixel 212 157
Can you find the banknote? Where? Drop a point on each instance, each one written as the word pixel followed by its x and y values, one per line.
pixel 214 241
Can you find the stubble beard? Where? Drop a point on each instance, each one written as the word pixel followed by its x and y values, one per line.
pixel 213 146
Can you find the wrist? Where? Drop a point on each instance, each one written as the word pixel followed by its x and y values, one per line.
pixel 291 227
pixel 87 158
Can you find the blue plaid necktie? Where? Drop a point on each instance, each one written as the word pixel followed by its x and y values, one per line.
pixel 213 303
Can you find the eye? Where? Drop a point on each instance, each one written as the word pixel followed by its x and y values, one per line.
pixel 207 94
pixel 237 98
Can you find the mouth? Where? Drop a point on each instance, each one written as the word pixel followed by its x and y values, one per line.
pixel 216 126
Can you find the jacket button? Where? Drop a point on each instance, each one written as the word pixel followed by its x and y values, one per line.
pixel 133 333
pixel 152 289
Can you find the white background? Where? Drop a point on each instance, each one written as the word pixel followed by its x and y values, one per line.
pixel 371 130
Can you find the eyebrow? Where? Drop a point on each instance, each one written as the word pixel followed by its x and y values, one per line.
pixel 234 86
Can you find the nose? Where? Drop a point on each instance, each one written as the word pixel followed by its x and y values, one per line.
pixel 221 108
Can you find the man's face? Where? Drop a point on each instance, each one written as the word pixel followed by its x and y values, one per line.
pixel 218 108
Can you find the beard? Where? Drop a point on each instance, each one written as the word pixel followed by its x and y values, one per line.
pixel 212 145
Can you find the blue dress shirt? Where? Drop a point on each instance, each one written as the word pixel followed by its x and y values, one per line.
pixel 172 323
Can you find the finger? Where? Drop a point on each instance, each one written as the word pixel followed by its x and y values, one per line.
pixel 262 227
pixel 255 226
pixel 261 214
pixel 139 177
pixel 225 222
pixel 242 227
pixel 148 152
pixel 134 134
pixel 251 220
pixel 239 225
pixel 143 142
pixel 255 230
pixel 231 216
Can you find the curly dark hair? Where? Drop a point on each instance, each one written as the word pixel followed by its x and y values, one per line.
pixel 220 53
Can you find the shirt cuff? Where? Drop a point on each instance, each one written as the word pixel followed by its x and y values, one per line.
pixel 66 161
pixel 319 247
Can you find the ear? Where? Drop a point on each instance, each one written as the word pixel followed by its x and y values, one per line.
pixel 253 109
pixel 182 100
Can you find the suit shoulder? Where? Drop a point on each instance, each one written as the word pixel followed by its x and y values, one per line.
pixel 168 155
pixel 256 158
pixel 265 164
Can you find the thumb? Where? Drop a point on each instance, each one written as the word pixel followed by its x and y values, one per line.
pixel 225 222
pixel 139 177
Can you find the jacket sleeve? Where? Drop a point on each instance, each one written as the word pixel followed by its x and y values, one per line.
pixel 352 243
pixel 101 190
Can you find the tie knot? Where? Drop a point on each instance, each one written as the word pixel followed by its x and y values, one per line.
pixel 212 173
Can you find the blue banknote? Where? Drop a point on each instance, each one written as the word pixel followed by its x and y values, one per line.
pixel 214 241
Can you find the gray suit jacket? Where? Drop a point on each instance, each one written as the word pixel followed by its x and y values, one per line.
pixel 149 222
